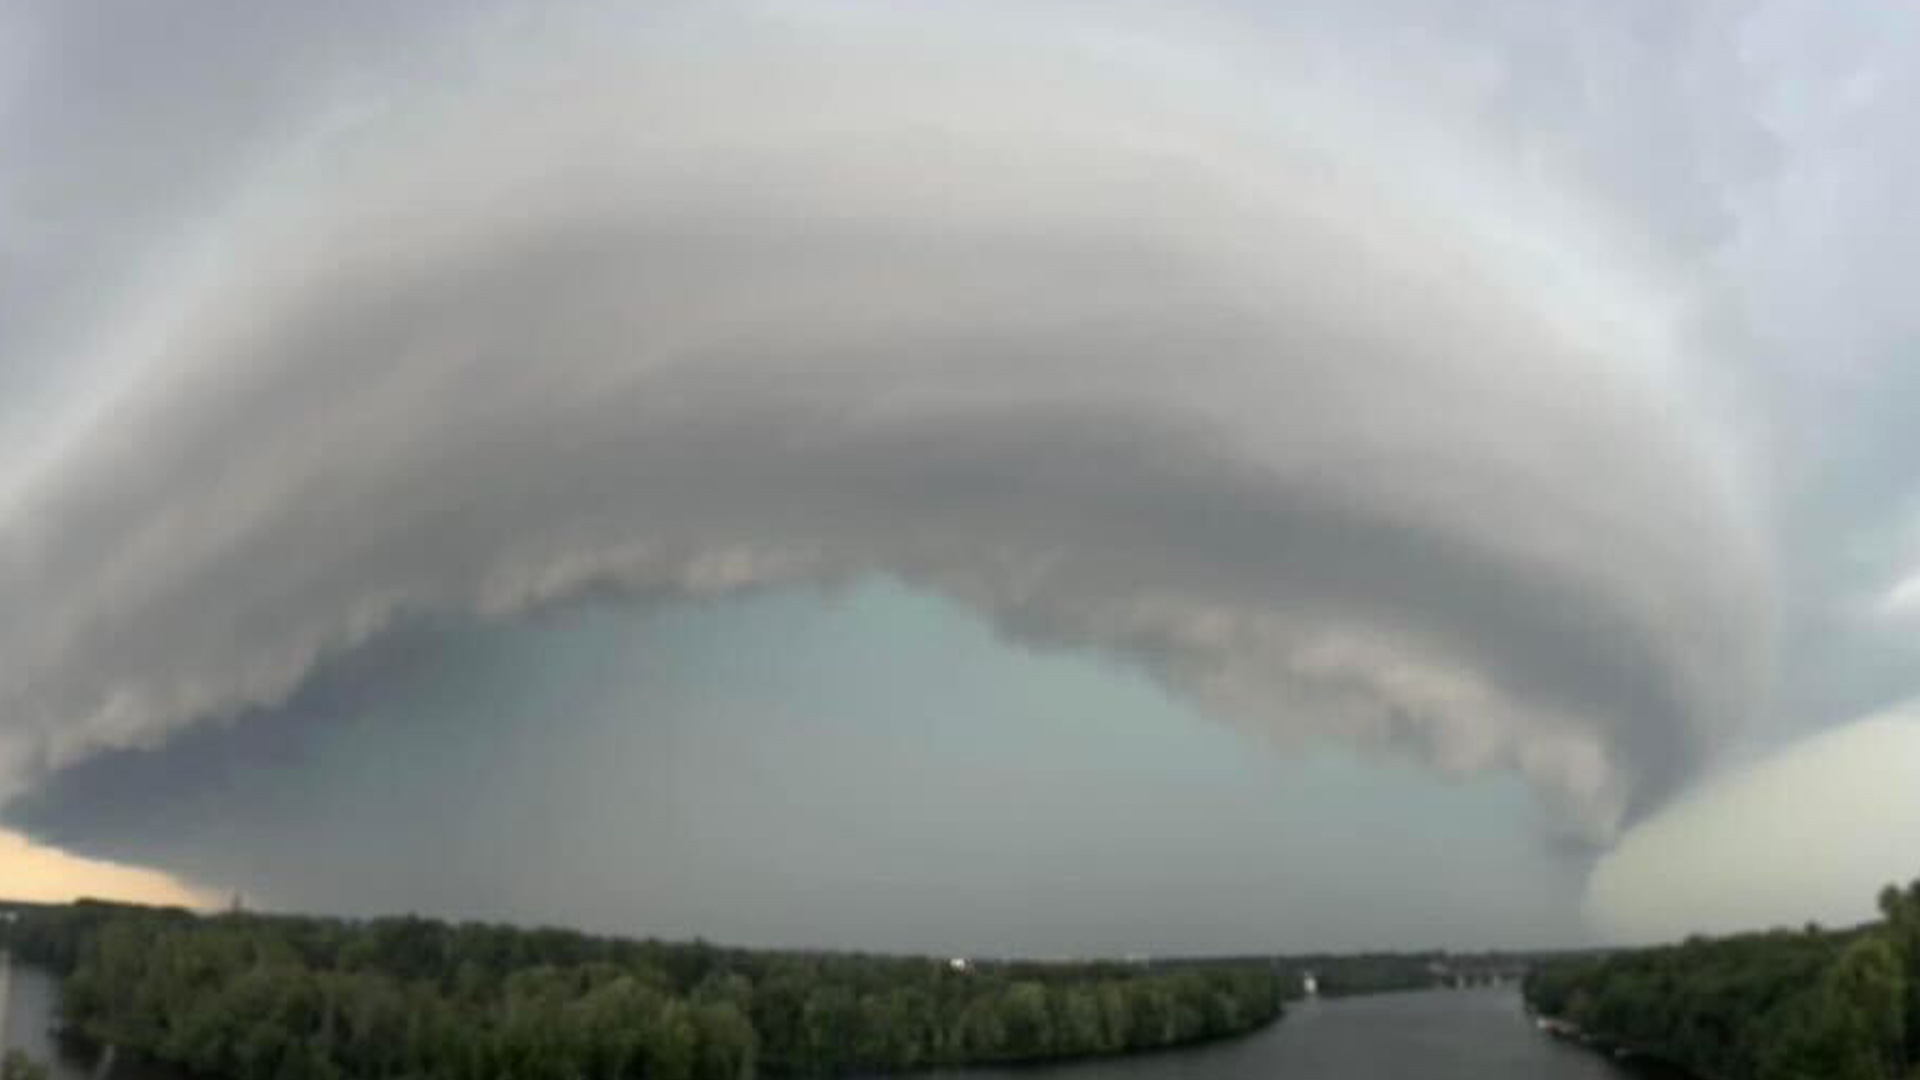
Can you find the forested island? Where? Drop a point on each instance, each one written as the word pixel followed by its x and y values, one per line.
pixel 269 997
pixel 1788 1005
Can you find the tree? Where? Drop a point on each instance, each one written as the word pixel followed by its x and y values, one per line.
pixel 1865 998
pixel 728 1048
pixel 1902 911
pixel 1078 1027
pixel 778 1012
pixel 830 1020
pixel 1801 1004
pixel 983 1034
pixel 1025 1019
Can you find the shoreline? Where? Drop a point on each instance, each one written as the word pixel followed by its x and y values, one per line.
pixel 1622 1054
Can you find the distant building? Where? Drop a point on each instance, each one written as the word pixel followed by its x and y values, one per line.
pixel 960 964
pixel 1310 984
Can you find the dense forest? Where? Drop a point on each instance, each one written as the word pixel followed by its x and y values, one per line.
pixel 1786 1005
pixel 252 997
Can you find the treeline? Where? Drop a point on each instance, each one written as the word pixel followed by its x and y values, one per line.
pixel 247 997
pixel 1786 1005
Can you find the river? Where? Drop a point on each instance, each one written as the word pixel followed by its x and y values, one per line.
pixel 1428 1035
pixel 33 996
pixel 33 1001
pixel 1481 1034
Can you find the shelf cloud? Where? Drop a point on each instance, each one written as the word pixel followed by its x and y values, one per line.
pixel 1128 370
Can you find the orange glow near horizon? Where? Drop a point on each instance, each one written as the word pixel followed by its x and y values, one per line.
pixel 35 872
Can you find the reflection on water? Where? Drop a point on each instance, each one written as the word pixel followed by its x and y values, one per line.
pixel 31 999
pixel 1428 1035
pixel 33 1003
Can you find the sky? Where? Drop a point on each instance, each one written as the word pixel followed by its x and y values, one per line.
pixel 1049 478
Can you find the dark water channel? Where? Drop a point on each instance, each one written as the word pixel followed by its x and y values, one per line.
pixel 1481 1034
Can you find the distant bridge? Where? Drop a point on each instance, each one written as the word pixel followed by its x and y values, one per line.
pixel 1462 973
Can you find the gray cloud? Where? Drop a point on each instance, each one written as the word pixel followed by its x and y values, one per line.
pixel 862 768
pixel 1127 369
pixel 124 129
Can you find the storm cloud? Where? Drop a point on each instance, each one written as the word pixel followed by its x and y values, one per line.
pixel 1125 368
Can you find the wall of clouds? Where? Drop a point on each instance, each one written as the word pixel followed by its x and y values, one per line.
pixel 866 769
pixel 1127 367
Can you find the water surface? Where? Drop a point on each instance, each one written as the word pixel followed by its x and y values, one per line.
pixel 33 1004
pixel 1481 1034
pixel 31 998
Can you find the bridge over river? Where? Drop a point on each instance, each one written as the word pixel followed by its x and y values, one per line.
pixel 1467 973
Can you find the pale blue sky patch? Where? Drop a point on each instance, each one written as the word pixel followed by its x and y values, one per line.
pixel 870 768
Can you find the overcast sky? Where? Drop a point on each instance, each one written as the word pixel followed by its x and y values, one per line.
pixel 1054 478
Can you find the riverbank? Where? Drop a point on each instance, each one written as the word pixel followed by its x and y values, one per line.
pixel 32 1009
pixel 407 995
pixel 1779 1005
pixel 1476 1034
pixel 1642 1061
